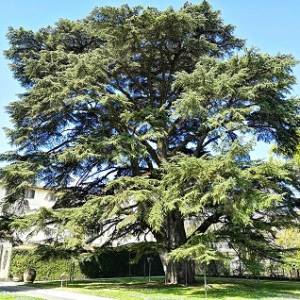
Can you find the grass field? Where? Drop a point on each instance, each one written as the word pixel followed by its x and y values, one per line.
pixel 6 297
pixel 139 289
pixel 11 297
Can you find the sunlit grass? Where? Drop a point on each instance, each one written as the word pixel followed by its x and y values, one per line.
pixel 19 297
pixel 218 288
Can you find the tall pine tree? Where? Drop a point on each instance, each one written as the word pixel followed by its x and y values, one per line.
pixel 141 120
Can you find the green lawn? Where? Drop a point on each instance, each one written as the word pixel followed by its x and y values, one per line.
pixel 11 297
pixel 5 297
pixel 139 289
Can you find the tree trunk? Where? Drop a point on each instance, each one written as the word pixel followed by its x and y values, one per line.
pixel 176 272
pixel 180 273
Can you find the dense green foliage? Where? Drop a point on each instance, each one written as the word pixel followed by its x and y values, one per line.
pixel 141 120
pixel 112 263
pixel 105 263
pixel 47 269
pixel 290 239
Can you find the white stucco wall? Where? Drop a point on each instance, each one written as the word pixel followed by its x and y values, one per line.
pixel 5 256
pixel 42 198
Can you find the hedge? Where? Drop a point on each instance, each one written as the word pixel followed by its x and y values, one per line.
pixel 112 263
pixel 108 263
pixel 49 269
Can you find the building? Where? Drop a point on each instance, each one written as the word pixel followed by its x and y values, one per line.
pixel 33 200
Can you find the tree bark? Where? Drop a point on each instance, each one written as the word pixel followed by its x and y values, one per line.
pixel 176 272
pixel 179 272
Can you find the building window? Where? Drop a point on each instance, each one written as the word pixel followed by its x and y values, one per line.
pixel 51 197
pixel 29 194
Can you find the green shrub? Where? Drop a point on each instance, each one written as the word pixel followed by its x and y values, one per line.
pixel 119 263
pixel 47 269
pixel 51 264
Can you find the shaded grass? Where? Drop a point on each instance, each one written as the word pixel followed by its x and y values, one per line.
pixel 218 288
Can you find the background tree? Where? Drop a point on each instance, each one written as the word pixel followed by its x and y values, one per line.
pixel 289 240
pixel 140 120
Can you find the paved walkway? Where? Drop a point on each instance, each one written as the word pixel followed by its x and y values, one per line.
pixel 47 293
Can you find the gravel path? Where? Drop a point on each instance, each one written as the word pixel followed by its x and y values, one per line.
pixel 47 294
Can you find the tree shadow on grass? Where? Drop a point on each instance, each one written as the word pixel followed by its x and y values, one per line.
pixel 217 289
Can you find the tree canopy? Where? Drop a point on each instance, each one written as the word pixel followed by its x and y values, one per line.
pixel 142 121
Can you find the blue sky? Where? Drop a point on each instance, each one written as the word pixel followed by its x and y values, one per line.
pixel 270 25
